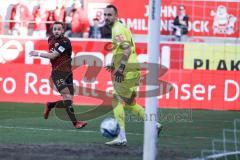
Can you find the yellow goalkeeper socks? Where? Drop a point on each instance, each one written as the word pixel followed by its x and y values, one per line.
pixel 119 114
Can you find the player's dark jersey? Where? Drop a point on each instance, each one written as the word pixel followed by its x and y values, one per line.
pixel 64 47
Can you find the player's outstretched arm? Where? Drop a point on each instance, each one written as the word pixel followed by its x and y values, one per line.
pixel 52 55
pixel 126 52
pixel 119 77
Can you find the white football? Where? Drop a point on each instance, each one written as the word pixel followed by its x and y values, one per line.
pixel 109 128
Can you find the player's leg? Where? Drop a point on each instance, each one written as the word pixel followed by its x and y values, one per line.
pixel 58 79
pixel 118 110
pixel 121 95
pixel 132 106
pixel 139 111
pixel 128 94
pixel 130 103
pixel 64 84
pixel 119 114
pixel 67 104
pixel 67 94
pixel 136 109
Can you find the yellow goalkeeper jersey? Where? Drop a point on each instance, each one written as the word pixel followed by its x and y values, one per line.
pixel 121 34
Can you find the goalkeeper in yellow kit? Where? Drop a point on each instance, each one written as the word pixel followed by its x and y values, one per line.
pixel 125 73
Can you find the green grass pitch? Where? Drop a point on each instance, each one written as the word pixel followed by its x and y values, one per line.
pixel 184 135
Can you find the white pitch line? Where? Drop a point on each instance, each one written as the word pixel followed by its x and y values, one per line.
pixel 186 137
pixel 45 129
pixel 60 130
pixel 220 155
pixel 87 131
pixel 223 155
pixel 193 120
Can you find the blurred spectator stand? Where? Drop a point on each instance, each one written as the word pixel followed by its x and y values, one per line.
pixel 95 31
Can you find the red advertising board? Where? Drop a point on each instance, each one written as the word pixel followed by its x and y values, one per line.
pixel 191 89
pixel 14 50
pixel 207 17
pixel 26 79
pixel 195 89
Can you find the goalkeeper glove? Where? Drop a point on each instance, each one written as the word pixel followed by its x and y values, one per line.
pixel 119 77
pixel 110 68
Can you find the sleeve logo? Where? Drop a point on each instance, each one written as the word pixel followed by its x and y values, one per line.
pixel 61 49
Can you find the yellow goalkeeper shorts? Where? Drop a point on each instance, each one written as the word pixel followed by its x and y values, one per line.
pixel 126 88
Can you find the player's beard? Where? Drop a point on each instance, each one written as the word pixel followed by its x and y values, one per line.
pixel 58 36
pixel 108 22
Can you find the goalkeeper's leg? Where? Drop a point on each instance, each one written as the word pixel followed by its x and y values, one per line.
pixel 119 114
pixel 139 111
pixel 136 109
pixel 118 110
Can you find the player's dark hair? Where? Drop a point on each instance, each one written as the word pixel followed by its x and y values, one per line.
pixel 113 7
pixel 61 23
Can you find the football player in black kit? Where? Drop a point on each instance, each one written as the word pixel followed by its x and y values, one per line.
pixel 60 56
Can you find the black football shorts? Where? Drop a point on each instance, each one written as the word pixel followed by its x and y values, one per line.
pixel 62 80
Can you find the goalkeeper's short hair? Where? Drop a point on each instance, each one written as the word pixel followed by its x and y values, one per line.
pixel 113 7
